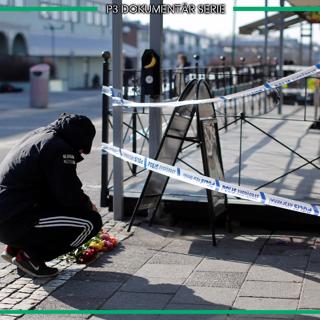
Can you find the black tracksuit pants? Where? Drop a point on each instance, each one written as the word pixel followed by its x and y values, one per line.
pixel 50 232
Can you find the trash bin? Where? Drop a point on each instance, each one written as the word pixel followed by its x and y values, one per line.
pixel 39 85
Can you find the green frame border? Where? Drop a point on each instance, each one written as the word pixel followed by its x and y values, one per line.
pixel 159 312
pixel 49 8
pixel 95 8
pixel 154 312
pixel 278 9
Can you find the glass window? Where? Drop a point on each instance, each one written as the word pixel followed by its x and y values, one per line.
pixel 89 14
pixel 181 40
pixel 44 14
pixel 18 3
pixel 73 16
pixel 66 16
pixel 99 18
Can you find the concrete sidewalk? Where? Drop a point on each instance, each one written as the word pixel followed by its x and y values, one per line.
pixel 159 268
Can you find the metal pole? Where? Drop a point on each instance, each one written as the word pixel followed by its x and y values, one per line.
pixel 233 59
pixel 281 54
pixel 242 118
pixel 52 30
pixel 301 44
pixel 134 137
pixel 105 132
pixel 196 57
pixel 265 54
pixel 155 43
pixel 117 80
pixel 311 45
pixel 53 45
pixel 222 58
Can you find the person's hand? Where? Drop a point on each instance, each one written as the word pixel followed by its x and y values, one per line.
pixel 94 208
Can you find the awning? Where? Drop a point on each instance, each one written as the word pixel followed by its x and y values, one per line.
pixel 290 18
pixel 304 3
pixel 312 17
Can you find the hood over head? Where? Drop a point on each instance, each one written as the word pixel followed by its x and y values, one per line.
pixel 77 130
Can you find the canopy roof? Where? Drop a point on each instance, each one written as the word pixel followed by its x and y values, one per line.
pixel 304 3
pixel 290 18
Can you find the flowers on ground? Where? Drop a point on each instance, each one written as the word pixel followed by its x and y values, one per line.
pixel 103 242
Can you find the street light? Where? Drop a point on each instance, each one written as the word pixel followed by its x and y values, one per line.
pixel 52 29
pixel 233 56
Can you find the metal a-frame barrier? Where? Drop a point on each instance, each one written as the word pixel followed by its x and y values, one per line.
pixel 176 134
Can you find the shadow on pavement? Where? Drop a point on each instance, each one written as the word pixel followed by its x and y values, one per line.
pixel 117 284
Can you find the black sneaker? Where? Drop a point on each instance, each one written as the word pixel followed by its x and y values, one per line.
pixel 9 253
pixel 32 267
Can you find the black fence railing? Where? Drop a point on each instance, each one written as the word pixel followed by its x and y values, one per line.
pixel 222 80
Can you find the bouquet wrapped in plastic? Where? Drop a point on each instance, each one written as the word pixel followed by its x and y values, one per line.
pixel 102 242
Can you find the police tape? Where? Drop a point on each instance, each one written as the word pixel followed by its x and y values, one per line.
pixel 210 183
pixel 117 99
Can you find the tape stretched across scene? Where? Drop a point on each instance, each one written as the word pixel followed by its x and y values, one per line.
pixel 117 99
pixel 210 183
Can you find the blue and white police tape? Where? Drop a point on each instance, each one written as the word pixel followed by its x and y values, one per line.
pixel 117 99
pixel 210 183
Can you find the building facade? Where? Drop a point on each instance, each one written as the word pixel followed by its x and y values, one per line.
pixel 72 41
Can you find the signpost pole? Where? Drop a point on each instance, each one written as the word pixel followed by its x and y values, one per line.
pixel 117 80
pixel 265 54
pixel 155 43
pixel 281 54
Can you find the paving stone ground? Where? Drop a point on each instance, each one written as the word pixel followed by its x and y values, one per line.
pixel 154 270
pixel 18 291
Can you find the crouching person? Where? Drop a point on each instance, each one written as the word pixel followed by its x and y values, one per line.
pixel 44 212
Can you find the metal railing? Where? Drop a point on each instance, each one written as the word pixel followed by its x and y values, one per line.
pixel 222 80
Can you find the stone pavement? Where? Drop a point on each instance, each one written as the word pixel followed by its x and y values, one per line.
pixel 18 291
pixel 172 268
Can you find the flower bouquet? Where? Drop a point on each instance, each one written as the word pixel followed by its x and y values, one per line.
pixel 102 242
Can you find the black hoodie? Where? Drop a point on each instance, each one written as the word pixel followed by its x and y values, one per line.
pixel 41 168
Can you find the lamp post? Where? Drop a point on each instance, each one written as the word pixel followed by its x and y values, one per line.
pixel 52 30
pixel 233 58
